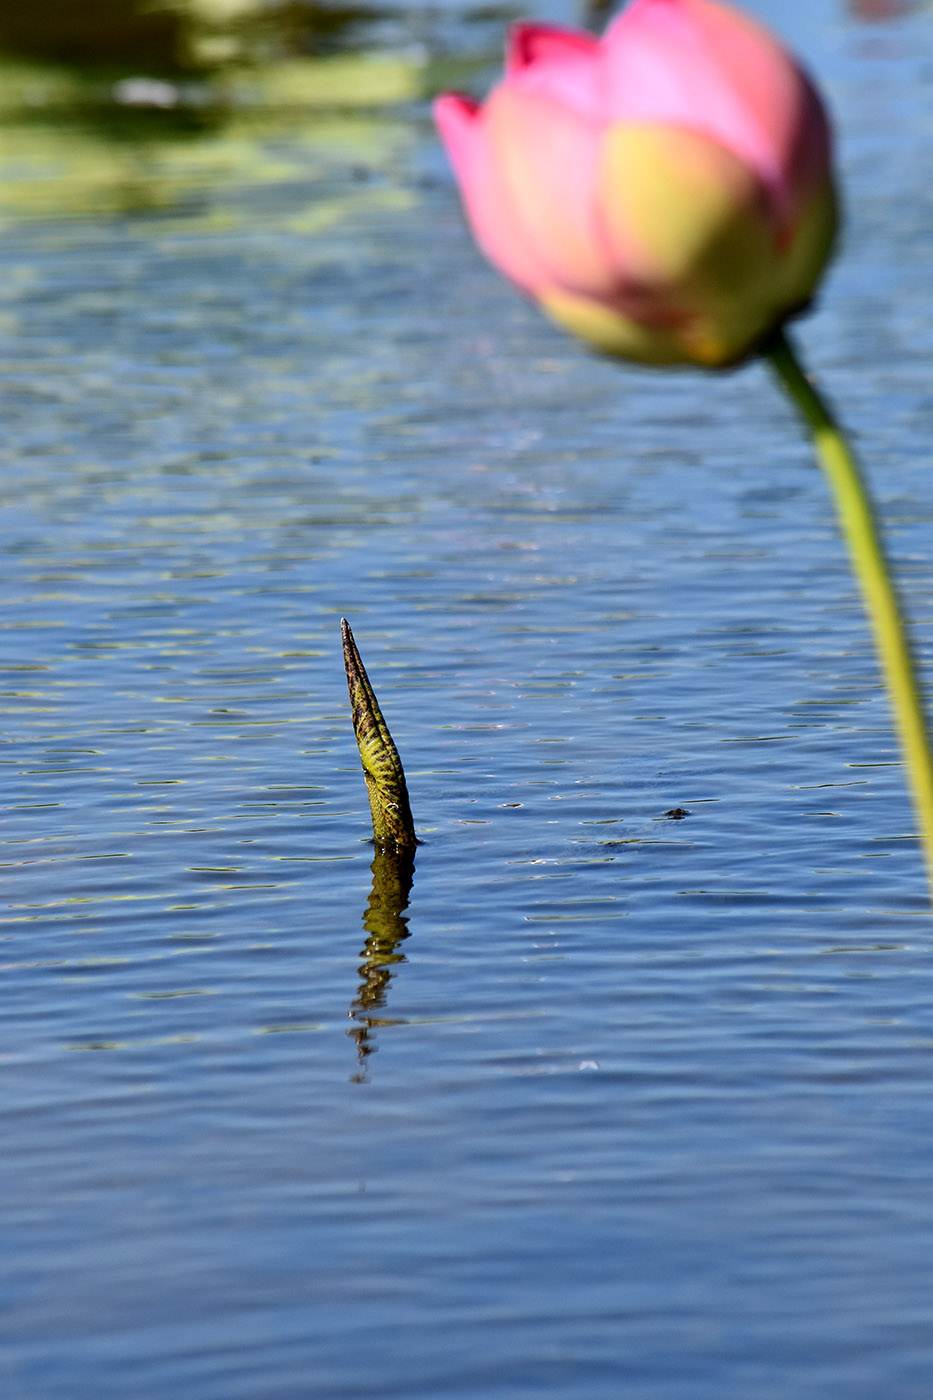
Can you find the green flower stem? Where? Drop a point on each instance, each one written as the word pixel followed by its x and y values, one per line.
pixel 860 528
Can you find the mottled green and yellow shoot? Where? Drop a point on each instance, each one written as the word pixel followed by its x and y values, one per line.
pixel 393 827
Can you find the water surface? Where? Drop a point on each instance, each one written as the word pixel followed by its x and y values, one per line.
pixel 629 1105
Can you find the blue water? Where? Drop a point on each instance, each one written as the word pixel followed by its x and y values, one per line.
pixel 639 1105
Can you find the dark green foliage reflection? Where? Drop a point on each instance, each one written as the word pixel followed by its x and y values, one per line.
pixel 172 37
pixel 386 928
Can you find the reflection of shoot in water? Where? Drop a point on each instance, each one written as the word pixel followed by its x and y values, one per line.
pixel 394 863
pixel 386 927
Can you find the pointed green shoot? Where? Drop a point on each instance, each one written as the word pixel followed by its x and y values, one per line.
pixel 393 827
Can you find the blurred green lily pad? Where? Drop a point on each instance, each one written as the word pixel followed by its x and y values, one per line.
pixel 72 145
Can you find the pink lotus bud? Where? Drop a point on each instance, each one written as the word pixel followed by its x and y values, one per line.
pixel 666 192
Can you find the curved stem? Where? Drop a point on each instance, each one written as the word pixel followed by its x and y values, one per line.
pixel 860 528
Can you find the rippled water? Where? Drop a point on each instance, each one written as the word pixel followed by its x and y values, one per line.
pixel 629 1105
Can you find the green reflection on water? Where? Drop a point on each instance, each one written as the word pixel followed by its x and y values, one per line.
pixel 386 929
pixel 171 36
pixel 72 144
pixel 116 107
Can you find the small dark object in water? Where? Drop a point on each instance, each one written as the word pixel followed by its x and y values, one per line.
pixel 677 814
